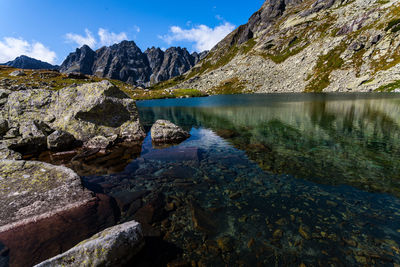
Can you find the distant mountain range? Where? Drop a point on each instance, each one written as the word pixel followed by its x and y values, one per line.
pixel 126 62
pixel 25 62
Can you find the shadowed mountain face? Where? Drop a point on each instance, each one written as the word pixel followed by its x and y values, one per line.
pixel 126 62
pixel 24 62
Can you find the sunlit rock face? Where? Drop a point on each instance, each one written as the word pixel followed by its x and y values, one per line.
pixel 126 62
pixel 80 112
pixel 306 46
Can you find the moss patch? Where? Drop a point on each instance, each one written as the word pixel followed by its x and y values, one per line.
pixel 229 86
pixel 167 84
pixel 248 46
pixel 285 54
pixel 161 94
pixel 389 87
pixel 393 25
pixel 325 65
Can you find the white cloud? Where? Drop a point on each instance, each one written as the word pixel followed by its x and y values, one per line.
pixel 105 37
pixel 10 48
pixel 109 38
pixel 136 28
pixel 82 40
pixel 203 36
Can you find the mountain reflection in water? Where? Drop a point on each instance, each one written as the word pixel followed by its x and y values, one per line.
pixel 269 180
pixel 329 139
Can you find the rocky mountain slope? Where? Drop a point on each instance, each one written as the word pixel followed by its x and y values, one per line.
pixel 126 62
pixel 24 62
pixel 305 46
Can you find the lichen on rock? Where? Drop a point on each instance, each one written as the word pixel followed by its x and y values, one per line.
pixel 114 246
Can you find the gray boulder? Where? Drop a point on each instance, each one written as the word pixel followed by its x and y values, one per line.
pixel 17 73
pixel 42 203
pixel 164 131
pixel 96 109
pixel 86 111
pixel 3 96
pixel 114 246
pixel 98 142
pixel 6 153
pixel 33 138
pixel 60 141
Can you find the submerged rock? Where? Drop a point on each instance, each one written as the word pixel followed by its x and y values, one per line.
pixel 42 203
pixel 4 255
pixel 164 131
pixel 114 246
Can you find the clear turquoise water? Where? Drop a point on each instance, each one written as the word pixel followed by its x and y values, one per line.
pixel 271 180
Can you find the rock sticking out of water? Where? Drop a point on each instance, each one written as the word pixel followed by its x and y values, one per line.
pixel 164 131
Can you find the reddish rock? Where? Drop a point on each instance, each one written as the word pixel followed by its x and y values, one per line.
pixel 48 211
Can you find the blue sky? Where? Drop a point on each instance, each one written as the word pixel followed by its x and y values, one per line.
pixel 50 29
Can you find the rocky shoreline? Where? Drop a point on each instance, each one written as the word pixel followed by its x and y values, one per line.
pixel 47 209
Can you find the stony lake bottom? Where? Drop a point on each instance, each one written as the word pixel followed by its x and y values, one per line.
pixel 268 180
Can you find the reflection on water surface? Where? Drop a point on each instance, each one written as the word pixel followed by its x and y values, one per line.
pixel 278 180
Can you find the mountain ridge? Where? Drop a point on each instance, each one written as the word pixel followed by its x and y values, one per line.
pixel 305 46
pixel 126 62
pixel 25 62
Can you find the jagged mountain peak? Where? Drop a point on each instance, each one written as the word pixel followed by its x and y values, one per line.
pixel 125 61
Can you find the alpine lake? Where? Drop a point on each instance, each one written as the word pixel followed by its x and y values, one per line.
pixel 264 180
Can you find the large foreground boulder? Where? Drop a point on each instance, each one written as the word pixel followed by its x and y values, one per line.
pixel 85 111
pixel 164 131
pixel 96 109
pixel 45 210
pixel 114 246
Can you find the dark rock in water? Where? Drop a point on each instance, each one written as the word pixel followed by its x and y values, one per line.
pixel 174 154
pixel 179 172
pixel 24 62
pixel 60 141
pixel 153 211
pixel 4 255
pixel 126 62
pixel 113 160
pixel 202 220
pixel 125 198
pixel 115 246
pixel 42 203
pixel 134 207
pixel 164 131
